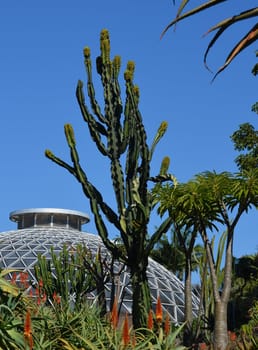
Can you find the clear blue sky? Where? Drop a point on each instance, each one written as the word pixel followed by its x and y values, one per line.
pixel 41 45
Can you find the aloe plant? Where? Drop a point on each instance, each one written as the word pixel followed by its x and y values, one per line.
pixel 71 274
pixel 119 135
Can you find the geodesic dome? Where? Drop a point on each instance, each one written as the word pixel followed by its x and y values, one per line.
pixel 40 229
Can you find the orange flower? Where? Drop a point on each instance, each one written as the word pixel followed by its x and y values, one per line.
pixel 150 320
pixel 114 314
pixel 126 334
pixel 37 292
pixel 203 346
pixel 56 298
pixel 28 330
pixel 159 310
pixel 40 284
pixel 14 278
pixel 24 276
pixel 167 325
pixel 232 336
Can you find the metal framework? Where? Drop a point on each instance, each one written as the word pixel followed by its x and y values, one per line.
pixel 19 249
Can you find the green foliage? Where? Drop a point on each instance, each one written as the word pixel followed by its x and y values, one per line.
pixel 245 140
pixel 72 274
pixel 244 289
pixel 255 107
pixel 249 331
pixel 12 306
pixel 71 329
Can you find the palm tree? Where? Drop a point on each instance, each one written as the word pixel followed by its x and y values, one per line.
pixel 247 39
pixel 205 201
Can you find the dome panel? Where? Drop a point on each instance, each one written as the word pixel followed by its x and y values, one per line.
pixel 20 248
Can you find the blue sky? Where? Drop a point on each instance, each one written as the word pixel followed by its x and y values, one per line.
pixel 41 62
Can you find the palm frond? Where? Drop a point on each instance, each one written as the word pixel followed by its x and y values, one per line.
pixel 247 40
pixel 192 12
pixel 221 26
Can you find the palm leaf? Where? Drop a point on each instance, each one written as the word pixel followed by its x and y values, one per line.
pixel 192 12
pixel 253 12
pixel 247 40
pixel 225 24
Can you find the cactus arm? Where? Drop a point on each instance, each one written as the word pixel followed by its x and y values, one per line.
pixel 94 128
pixel 160 133
pixel 59 162
pixel 113 110
pixel 90 87
pixel 90 191
pixel 102 230
pixel 141 137
pixel 126 130
pixel 96 200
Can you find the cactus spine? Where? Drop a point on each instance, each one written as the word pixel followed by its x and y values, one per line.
pixel 119 134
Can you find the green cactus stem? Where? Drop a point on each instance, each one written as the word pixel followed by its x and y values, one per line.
pixel 119 134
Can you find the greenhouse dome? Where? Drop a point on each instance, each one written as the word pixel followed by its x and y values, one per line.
pixel 39 230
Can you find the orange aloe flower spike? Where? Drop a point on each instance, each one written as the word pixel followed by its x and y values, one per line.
pixel 28 330
pixel 56 298
pixel 114 314
pixel 31 293
pixel 167 324
pixel 40 284
pixel 150 320
pixel 159 310
pixel 126 334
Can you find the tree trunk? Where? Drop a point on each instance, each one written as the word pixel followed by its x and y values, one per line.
pixel 141 296
pixel 220 337
pixel 188 304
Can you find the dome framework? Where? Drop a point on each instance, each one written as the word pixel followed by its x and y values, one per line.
pixel 39 230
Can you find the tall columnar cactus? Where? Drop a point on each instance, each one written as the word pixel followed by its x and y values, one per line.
pixel 119 134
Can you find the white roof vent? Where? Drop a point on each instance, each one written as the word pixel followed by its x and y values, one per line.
pixel 49 217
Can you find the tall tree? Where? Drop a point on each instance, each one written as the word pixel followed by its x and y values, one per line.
pixel 249 38
pixel 203 202
pixel 119 135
